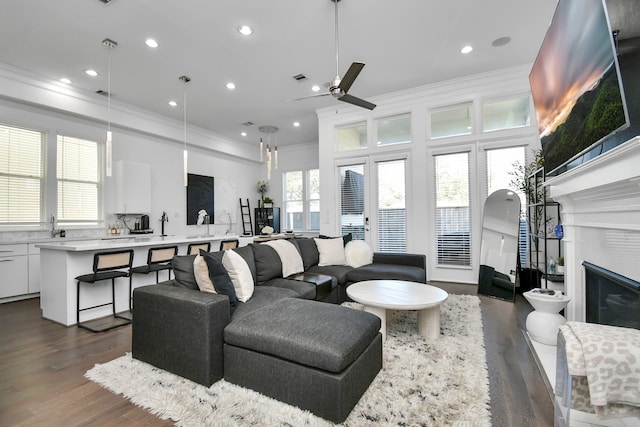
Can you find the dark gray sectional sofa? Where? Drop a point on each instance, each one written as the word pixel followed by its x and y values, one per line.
pixel 282 342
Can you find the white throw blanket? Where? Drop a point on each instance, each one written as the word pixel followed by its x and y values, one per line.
pixel 609 358
pixel 289 256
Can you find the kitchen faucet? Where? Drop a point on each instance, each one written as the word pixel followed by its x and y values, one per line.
pixel 54 232
pixel 164 219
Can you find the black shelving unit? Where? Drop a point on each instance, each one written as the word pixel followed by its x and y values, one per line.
pixel 267 216
pixel 543 213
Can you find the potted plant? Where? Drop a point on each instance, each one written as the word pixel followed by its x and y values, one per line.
pixel 560 265
pixel 263 188
pixel 523 180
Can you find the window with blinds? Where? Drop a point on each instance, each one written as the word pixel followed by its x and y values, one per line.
pixel 352 200
pixel 391 206
pixel 302 200
pixel 313 199
pixel 22 180
pixel 79 181
pixel 453 209
pixel 499 177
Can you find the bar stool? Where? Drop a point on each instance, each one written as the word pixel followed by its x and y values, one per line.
pixel 158 259
pixel 229 244
pixel 106 265
pixel 194 248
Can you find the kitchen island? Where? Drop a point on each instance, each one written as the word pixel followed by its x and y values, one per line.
pixel 61 262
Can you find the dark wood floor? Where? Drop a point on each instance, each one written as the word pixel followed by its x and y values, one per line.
pixel 42 366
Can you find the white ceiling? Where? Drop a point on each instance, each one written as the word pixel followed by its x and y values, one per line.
pixel 404 43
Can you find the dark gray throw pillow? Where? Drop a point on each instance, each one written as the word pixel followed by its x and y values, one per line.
pixel 220 278
pixel 345 238
pixel 182 266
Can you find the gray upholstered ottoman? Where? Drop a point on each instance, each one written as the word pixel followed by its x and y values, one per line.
pixel 316 356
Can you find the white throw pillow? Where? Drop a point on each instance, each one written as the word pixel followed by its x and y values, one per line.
pixel 358 253
pixel 239 273
pixel 331 251
pixel 289 257
pixel 201 271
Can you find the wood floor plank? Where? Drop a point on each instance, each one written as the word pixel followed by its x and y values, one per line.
pixel 42 368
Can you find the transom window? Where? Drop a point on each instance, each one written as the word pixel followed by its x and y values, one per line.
pixel 352 137
pixel 394 130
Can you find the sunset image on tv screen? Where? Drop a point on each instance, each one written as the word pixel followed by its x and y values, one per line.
pixel 575 82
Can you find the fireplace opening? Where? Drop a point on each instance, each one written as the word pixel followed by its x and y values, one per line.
pixel 611 299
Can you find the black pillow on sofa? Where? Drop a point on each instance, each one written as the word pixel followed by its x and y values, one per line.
pixel 308 251
pixel 346 238
pixel 268 263
pixel 220 278
pixel 182 266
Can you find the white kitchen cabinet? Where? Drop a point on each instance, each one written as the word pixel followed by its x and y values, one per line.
pixel 34 268
pixel 14 270
pixel 132 187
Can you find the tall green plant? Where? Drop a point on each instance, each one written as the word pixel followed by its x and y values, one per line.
pixel 523 180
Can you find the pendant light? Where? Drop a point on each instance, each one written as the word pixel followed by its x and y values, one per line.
pixel 109 143
pixel 185 155
pixel 271 155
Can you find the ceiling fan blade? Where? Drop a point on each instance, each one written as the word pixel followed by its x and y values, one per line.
pixel 307 97
pixel 357 101
pixel 350 76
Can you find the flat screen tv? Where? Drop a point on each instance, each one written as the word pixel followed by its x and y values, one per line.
pixel 576 83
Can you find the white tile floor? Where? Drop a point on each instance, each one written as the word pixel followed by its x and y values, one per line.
pixel 546 355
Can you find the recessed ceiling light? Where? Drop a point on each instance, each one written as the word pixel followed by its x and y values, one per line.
pixel 296 124
pixel 466 49
pixel 231 85
pixel 245 30
pixel 243 134
pixel 173 103
pixel 315 88
pixel 92 73
pixel 65 81
pixel 501 41
pixel 151 43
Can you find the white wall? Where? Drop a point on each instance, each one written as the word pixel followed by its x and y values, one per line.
pixel 158 142
pixel 420 207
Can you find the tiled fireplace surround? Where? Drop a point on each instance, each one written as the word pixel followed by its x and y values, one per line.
pixel 601 218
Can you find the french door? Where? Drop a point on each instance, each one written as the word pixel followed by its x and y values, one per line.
pixel 372 202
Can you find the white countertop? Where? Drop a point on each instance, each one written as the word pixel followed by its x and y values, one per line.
pixel 126 242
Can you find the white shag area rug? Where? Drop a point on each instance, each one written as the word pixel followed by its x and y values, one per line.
pixel 425 382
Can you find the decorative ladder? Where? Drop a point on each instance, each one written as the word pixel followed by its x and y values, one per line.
pixel 247 224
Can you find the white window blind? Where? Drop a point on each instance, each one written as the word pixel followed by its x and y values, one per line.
pixel 21 176
pixel 352 200
pixel 392 212
pixel 453 210
pixel 79 181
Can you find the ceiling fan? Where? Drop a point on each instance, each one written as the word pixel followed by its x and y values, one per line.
pixel 339 87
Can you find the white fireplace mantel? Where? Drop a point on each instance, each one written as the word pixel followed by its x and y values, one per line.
pixel 601 218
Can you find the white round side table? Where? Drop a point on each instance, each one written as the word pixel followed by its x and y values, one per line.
pixel 544 321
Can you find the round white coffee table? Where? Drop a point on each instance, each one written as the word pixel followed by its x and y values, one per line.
pixel 378 296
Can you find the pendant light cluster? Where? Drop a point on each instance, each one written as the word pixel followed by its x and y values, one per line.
pixel 185 80
pixel 109 143
pixel 270 154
